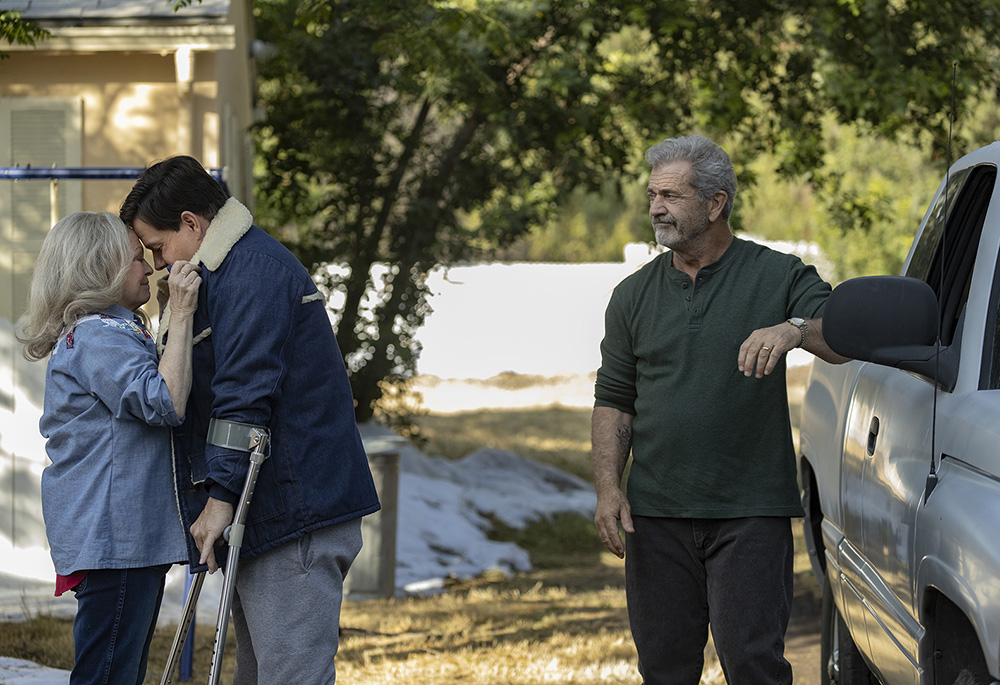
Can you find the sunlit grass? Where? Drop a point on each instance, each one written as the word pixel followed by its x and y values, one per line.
pixel 494 631
pixel 559 436
pixel 44 639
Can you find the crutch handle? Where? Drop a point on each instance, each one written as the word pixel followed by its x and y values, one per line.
pixel 233 534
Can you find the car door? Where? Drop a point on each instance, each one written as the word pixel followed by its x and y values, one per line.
pixel 889 441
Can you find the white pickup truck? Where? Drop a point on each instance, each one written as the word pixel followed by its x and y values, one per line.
pixel 899 453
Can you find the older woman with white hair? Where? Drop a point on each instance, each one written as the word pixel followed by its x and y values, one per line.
pixel 108 498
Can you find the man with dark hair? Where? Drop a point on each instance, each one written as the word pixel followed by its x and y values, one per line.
pixel 692 383
pixel 264 355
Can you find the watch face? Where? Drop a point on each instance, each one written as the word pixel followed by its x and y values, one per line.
pixel 797 321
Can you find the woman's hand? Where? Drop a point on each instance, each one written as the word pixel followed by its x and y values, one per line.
pixel 183 282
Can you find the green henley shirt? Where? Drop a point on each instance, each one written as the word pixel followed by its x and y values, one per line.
pixel 708 442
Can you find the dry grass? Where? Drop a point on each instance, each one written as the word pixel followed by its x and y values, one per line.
pixel 45 640
pixel 536 628
pixel 48 641
pixel 563 622
pixel 559 436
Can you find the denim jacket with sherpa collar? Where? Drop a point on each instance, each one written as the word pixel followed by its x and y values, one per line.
pixel 108 497
pixel 265 354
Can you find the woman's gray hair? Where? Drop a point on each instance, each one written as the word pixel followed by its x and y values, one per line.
pixel 711 168
pixel 81 269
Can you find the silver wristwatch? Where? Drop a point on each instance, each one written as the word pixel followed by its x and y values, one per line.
pixel 803 329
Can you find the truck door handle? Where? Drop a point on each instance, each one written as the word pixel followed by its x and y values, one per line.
pixel 872 435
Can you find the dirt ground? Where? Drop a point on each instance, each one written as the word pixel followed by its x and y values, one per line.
pixel 802 641
pixel 802 647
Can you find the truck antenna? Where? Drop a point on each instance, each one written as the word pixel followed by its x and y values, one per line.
pixel 932 477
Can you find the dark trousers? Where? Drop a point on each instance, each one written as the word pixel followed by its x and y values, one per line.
pixel 115 618
pixel 682 574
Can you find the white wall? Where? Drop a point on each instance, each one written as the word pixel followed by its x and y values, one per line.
pixel 545 319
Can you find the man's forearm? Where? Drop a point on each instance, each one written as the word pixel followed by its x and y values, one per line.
pixel 611 443
pixel 816 343
pixel 611 439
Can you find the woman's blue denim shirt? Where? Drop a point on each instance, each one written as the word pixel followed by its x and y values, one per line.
pixel 108 497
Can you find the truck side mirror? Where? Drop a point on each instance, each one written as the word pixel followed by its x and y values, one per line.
pixel 881 318
pixel 892 321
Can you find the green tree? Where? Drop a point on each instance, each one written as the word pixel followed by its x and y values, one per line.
pixel 591 226
pixel 16 30
pixel 414 132
pixel 872 198
pixel 862 209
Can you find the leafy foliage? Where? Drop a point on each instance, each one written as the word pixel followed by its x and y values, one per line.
pixel 406 133
pixel 415 133
pixel 862 210
pixel 16 30
pixel 874 197
pixel 591 226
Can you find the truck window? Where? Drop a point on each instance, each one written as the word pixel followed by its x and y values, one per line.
pixel 926 247
pixel 991 367
pixel 990 375
pixel 946 265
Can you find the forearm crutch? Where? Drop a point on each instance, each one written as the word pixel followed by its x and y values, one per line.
pixel 257 441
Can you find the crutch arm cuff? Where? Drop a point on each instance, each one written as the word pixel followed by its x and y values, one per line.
pixel 233 435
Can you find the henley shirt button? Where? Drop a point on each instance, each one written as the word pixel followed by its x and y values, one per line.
pixel 684 284
pixel 688 298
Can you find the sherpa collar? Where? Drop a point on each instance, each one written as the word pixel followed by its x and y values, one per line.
pixel 229 225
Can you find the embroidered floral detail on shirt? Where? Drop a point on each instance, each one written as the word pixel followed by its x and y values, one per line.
pixel 107 320
pixel 125 325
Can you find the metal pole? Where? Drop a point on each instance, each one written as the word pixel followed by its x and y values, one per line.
pixel 187 618
pixel 187 654
pixel 260 444
pixel 82 172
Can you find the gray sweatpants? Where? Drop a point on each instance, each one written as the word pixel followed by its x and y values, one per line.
pixel 286 609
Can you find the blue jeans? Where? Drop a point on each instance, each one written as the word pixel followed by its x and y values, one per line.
pixel 115 618
pixel 683 574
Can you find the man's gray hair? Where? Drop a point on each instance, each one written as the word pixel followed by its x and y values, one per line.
pixel 711 168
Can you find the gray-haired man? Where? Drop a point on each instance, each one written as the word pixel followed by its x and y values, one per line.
pixel 692 383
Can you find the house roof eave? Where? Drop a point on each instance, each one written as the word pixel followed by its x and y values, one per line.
pixel 203 37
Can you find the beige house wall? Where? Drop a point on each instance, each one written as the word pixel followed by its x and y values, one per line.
pixel 135 107
pixel 140 115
